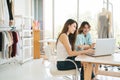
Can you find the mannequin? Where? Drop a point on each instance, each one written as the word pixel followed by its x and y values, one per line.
pixel 104 24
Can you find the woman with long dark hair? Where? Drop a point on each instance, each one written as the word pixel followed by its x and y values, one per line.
pixel 66 47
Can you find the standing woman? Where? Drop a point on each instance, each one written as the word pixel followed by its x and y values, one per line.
pixel 66 47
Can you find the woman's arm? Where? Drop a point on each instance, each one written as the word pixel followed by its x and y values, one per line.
pixel 64 40
pixel 85 47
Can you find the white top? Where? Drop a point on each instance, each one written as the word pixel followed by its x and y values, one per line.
pixel 61 51
pixel 4 14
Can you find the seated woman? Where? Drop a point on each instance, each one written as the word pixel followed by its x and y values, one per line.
pixel 83 40
pixel 66 50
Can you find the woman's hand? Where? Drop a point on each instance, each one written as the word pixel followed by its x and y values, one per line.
pixel 86 47
pixel 83 47
pixel 93 45
pixel 90 51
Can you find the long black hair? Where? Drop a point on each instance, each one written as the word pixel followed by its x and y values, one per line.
pixel 71 37
pixel 82 26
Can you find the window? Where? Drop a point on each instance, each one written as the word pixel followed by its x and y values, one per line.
pixel 88 11
pixel 116 18
pixel 23 8
pixel 64 9
pixel 48 19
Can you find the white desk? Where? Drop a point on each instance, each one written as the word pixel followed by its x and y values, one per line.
pixel 88 61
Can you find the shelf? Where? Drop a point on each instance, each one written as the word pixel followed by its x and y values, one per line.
pixel 26 36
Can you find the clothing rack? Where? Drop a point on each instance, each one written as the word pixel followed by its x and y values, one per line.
pixel 9 29
pixel 24 30
pixel 25 24
pixel 10 60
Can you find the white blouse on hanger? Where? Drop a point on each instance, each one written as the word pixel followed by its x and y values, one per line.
pixel 4 15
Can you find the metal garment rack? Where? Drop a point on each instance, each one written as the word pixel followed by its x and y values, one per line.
pixel 8 29
pixel 8 60
pixel 21 31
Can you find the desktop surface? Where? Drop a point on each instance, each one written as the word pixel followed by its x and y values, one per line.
pixel 114 59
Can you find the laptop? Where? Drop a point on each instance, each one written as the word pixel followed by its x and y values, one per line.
pixel 104 47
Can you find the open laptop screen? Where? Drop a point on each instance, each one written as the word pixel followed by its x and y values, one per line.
pixel 104 46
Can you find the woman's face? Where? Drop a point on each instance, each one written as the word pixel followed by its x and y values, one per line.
pixel 72 28
pixel 86 29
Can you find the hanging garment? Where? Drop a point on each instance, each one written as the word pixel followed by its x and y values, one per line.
pixel 0 41
pixel 18 45
pixel 14 46
pixel 9 4
pixel 10 43
pixel 103 30
pixel 5 43
pixel 4 15
pixel 9 38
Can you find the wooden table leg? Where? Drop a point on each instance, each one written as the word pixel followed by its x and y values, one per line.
pixel 96 68
pixel 87 70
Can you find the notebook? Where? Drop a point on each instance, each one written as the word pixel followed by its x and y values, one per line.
pixel 104 47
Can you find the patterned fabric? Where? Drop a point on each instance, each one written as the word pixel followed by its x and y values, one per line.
pixel 83 40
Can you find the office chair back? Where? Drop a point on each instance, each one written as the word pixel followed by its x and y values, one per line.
pixel 60 73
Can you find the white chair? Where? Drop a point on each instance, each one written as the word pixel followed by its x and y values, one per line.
pixel 61 73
